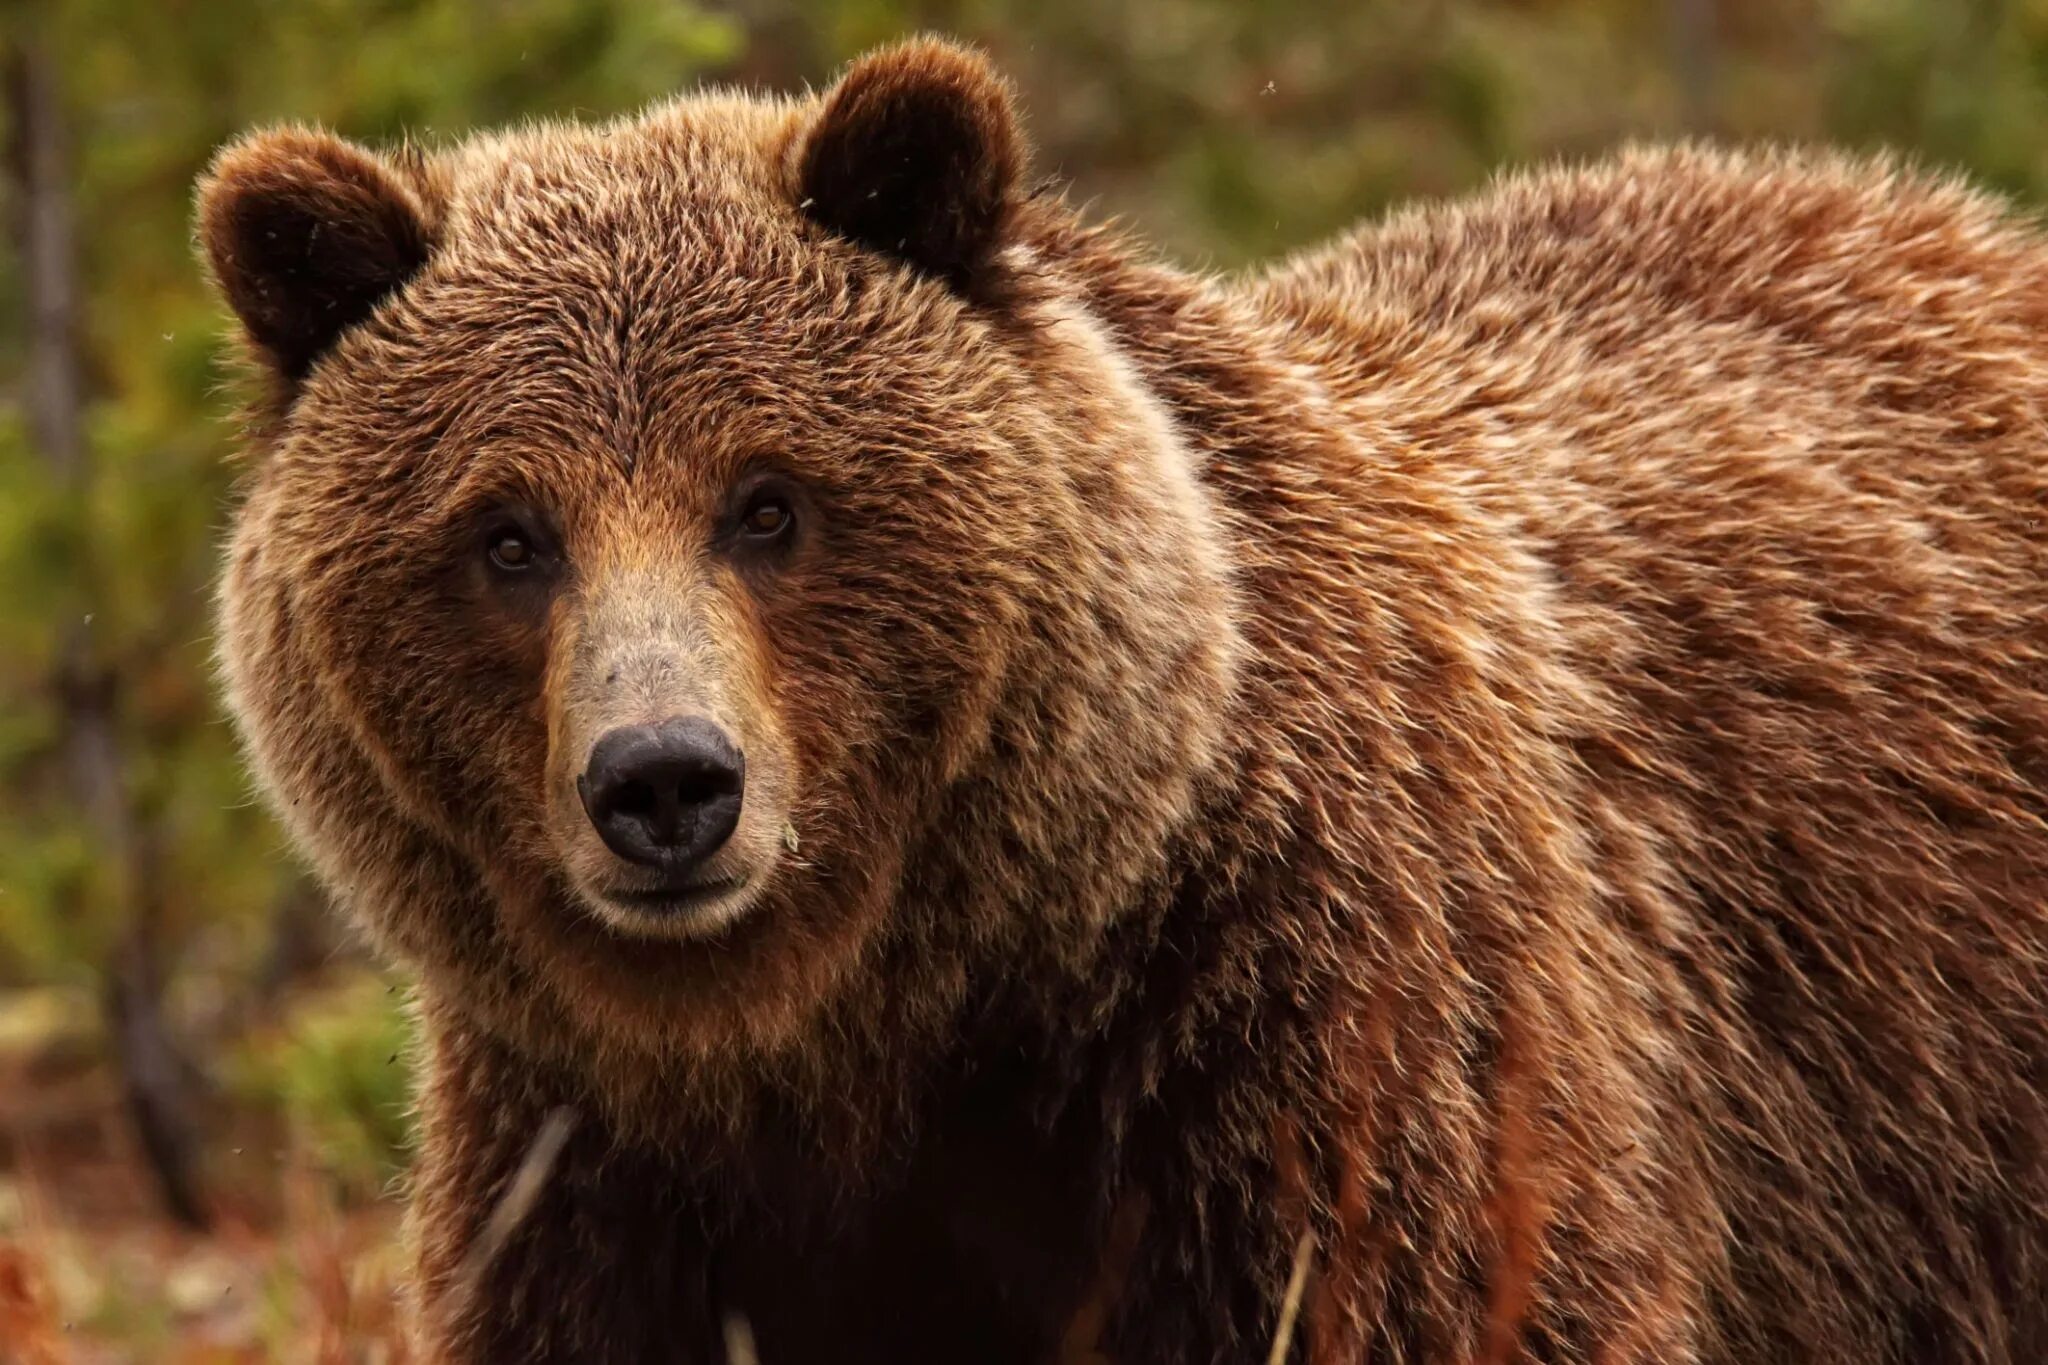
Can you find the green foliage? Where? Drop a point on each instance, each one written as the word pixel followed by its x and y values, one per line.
pixel 1965 83
pixel 335 1068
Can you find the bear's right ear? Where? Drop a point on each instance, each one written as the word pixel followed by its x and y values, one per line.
pixel 305 233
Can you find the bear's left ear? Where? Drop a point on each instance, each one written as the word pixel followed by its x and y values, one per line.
pixel 305 234
pixel 918 154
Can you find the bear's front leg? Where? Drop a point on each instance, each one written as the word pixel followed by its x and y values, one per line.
pixel 538 1238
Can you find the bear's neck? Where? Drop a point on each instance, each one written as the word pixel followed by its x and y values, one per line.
pixel 1196 984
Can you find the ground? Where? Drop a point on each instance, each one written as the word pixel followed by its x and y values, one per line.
pixel 303 1260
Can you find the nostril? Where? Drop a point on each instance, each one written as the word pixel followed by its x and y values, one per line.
pixel 635 799
pixel 696 786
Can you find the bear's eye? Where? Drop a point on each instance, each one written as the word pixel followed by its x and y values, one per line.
pixel 765 518
pixel 768 517
pixel 510 550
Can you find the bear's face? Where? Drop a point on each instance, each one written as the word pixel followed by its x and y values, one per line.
pixel 697 544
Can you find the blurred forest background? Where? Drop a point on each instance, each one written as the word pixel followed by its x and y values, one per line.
pixel 202 1084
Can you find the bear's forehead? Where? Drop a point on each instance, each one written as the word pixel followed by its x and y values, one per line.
pixel 674 244
pixel 704 180
pixel 655 286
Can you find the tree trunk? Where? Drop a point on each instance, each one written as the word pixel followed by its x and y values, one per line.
pixel 86 687
pixel 1695 59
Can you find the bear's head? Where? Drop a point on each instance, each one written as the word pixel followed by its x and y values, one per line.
pixel 706 582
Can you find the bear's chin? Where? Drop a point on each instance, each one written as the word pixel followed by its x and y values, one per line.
pixel 746 971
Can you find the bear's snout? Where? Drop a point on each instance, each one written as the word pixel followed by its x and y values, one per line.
pixel 664 796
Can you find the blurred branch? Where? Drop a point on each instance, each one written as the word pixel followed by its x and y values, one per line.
pixel 87 688
pixel 1695 59
pixel 301 943
pixel 158 1082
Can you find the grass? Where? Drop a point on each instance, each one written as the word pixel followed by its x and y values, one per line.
pixel 321 1290
pixel 304 1262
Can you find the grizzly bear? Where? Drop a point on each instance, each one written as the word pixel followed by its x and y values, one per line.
pixel 956 792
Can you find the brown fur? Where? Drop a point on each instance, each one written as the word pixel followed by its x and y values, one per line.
pixel 1515 744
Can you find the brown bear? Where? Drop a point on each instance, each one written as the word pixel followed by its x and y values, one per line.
pixel 959 793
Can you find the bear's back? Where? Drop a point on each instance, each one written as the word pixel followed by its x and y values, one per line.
pixel 1765 437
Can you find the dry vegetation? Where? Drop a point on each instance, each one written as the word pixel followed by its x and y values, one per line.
pixel 298 1260
pixel 102 1278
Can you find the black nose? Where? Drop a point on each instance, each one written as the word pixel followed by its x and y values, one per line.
pixel 664 796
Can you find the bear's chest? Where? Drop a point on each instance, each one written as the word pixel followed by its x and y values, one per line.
pixel 984 1248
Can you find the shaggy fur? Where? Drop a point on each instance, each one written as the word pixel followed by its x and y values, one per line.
pixel 1513 747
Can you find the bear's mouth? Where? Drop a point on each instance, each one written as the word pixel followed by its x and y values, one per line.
pixel 698 909
pixel 677 898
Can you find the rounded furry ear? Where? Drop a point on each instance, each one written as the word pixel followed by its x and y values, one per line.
pixel 918 154
pixel 305 233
